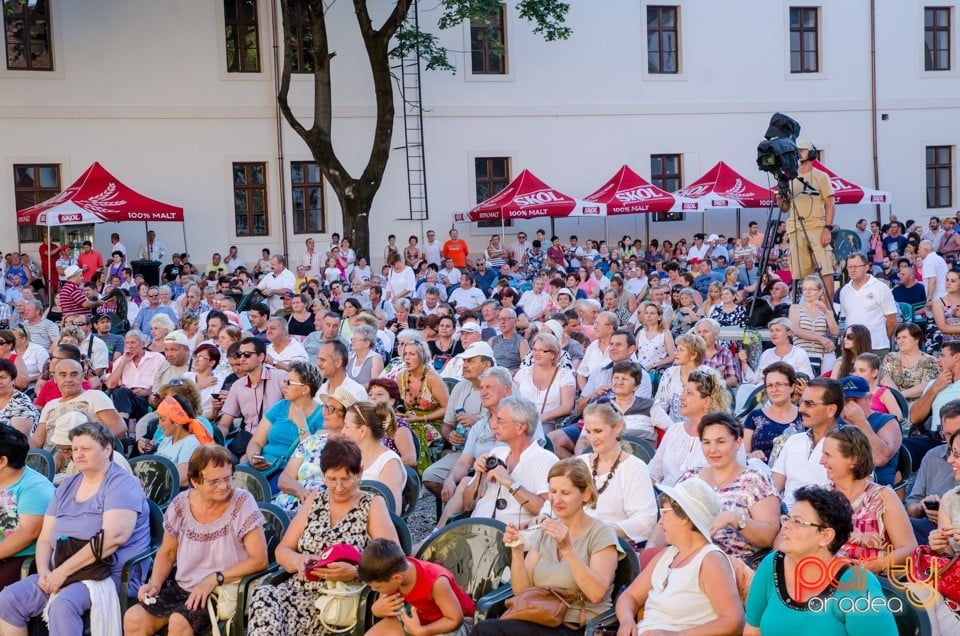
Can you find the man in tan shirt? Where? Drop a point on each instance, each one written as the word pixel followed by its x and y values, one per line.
pixel 813 204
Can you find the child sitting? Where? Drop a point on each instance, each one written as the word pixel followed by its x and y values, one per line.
pixel 423 597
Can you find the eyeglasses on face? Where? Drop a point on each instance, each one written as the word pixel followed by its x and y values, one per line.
pixel 246 355
pixel 793 520
pixel 290 382
pixel 811 403
pixel 330 408
pixel 214 483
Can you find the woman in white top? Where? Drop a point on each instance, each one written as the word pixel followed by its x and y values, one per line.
pixel 655 348
pixel 625 492
pixel 205 361
pixel 364 364
pixel 680 449
pixel 781 335
pixel 691 584
pixel 363 425
pixel 689 357
pixel 550 386
pixel 402 281
pixel 361 271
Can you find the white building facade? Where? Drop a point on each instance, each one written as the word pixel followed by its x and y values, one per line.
pixel 156 93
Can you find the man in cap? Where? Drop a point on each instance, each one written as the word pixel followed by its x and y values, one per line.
pixel 470 332
pixel 464 409
pixel 882 429
pixel 811 217
pixel 72 299
pixel 176 353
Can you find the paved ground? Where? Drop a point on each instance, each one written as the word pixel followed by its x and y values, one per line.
pixel 424 516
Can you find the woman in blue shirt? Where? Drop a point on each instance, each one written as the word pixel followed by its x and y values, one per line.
pixel 793 591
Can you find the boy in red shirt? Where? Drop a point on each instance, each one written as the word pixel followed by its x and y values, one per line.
pixel 423 597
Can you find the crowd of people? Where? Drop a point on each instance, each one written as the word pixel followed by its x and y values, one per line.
pixel 508 380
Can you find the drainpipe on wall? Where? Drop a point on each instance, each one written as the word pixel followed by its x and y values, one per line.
pixel 284 246
pixel 873 99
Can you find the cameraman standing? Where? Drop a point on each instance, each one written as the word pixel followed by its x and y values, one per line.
pixel 812 210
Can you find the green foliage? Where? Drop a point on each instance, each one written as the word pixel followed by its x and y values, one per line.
pixel 547 16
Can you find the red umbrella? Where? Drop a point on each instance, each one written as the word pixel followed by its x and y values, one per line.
pixel 95 197
pixel 628 193
pixel 723 187
pixel 527 197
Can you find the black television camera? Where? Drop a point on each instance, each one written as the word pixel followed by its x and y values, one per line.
pixel 779 154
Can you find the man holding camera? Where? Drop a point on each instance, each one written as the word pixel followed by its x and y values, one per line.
pixel 811 218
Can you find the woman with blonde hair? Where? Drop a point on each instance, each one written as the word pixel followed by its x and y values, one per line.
pixel 680 450
pixel 655 348
pixel 781 335
pixel 689 357
pixel 546 383
pixel 160 327
pixel 814 325
pixel 364 426
pixel 573 552
pixel 712 299
pixel 424 394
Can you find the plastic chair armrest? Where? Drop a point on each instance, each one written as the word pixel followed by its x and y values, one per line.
pixel 493 604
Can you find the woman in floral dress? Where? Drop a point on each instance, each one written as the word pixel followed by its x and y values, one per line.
pixel 424 396
pixel 341 513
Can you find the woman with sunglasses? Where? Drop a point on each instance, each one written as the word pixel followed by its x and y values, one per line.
pixel 303 473
pixel 287 423
pixel 364 426
pixel 206 359
pixel 680 450
pixel 690 586
pixel 786 598
pixel 814 325
pixel 424 394
pixel 882 535
pixel 750 508
pixel 856 340
pixel 574 552
pixel 766 423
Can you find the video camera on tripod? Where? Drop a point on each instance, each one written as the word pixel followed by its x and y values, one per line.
pixel 779 154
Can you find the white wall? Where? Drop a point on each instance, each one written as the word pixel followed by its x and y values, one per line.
pixel 142 88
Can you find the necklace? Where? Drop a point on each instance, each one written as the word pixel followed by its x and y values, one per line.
pixel 410 398
pixel 606 482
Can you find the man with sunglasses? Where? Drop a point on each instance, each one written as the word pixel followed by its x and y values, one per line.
pixel 251 396
pixel 151 309
pixel 798 463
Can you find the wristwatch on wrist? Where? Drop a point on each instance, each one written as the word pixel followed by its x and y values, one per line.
pixel 219 578
pixel 742 521
pixel 514 487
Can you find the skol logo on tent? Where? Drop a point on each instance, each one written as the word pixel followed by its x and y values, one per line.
pixel 694 191
pixel 719 203
pixel 689 206
pixel 68 218
pixel 637 194
pixel 838 184
pixel 540 197
pixel 878 198
pixel 591 210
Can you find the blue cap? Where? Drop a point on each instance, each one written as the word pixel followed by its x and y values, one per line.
pixel 855 387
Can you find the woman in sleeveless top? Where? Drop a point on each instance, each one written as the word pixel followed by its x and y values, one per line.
pixel 691 583
pixel 364 363
pixel 655 348
pixel 946 311
pixel 424 396
pixel 340 514
pixel 882 536
pixel 548 385
pixel 909 369
pixel 815 329
pixel 364 425
pixel 411 253
pixel 867 366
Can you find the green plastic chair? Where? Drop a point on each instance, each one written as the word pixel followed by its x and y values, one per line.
pixel 410 494
pixel 906 312
pixel 253 481
pixel 638 447
pixel 473 551
pixel 379 488
pixel 159 477
pixel 42 461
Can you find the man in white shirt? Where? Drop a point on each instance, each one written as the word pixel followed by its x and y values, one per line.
pixel 516 489
pixel 798 463
pixel 311 260
pixel 332 361
pixel 152 249
pixel 699 249
pixel 283 350
pixel 869 302
pixel 934 234
pixel 534 302
pixel 116 245
pixel 432 248
pixel 467 297
pixel 278 282
pixel 934 271
pixel 449 275
pixel 596 356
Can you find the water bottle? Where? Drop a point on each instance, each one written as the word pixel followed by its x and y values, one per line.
pixel 461 431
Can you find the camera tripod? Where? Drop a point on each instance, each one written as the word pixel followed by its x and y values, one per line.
pixel 774 218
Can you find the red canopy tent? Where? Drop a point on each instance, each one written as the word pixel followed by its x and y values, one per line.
pixel 723 187
pixel 95 197
pixel 628 193
pixel 527 197
pixel 849 193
